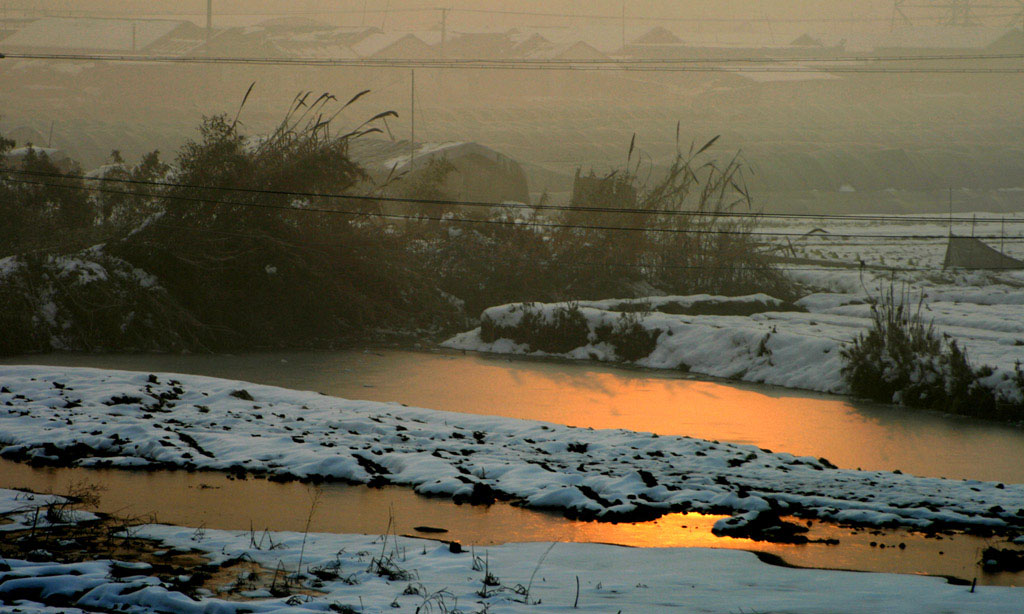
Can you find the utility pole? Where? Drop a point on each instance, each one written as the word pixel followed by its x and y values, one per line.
pixel 1002 236
pixel 899 18
pixel 950 211
pixel 412 118
pixel 960 13
pixel 623 24
pixel 134 33
pixel 209 23
pixel 768 23
pixel 444 30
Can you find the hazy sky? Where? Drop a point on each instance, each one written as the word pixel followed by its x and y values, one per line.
pixel 853 13
pixel 760 22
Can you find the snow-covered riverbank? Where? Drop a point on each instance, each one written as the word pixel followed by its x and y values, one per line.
pixel 798 348
pixel 355 573
pixel 92 417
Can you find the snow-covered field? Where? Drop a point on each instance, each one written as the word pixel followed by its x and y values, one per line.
pixel 90 417
pixel 982 311
pixel 425 576
pixel 902 242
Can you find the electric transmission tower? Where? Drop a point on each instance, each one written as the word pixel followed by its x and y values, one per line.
pixel 958 13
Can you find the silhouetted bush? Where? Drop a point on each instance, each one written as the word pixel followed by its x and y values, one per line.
pixel 901 359
pixel 260 266
pixel 631 340
pixel 555 331
pixel 40 202
pixel 254 242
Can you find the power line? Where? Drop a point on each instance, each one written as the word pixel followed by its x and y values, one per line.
pixel 848 267
pixel 939 219
pixel 528 61
pixel 522 13
pixel 838 266
pixel 459 220
pixel 723 65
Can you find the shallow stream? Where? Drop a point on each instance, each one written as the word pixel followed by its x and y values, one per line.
pixel 850 434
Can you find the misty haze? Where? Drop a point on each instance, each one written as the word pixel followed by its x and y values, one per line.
pixel 611 306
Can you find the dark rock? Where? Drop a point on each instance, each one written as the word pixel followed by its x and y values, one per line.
pixel 765 526
pixel 996 559
pixel 649 480
pixel 242 394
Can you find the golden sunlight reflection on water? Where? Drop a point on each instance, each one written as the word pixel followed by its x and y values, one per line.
pixel 849 433
pixel 216 501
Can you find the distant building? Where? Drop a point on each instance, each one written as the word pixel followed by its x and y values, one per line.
pixel 526 44
pixel 806 40
pixel 927 40
pixel 330 42
pixel 534 49
pixel 10 25
pixel 480 45
pixel 15 158
pixel 393 46
pixel 479 173
pixel 94 35
pixel 1011 42
pixel 971 253
pixel 659 43
pixel 658 36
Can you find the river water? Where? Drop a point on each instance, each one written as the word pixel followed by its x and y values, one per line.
pixel 850 434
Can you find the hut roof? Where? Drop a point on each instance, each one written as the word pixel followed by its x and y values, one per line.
pixel 93 33
pixel 971 253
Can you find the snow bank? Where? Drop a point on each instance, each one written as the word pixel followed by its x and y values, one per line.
pixel 92 417
pixel 25 510
pixel 534 578
pixel 791 348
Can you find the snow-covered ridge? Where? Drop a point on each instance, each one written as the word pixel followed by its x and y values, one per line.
pixel 92 417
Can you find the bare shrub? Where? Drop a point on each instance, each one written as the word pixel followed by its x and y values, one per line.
pixel 902 359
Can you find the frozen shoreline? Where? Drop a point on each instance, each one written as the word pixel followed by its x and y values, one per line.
pixel 90 417
pixel 790 348
pixel 328 572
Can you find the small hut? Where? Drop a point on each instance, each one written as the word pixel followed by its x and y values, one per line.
pixel 477 172
pixel 971 253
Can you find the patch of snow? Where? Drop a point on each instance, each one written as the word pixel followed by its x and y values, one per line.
pixel 526 578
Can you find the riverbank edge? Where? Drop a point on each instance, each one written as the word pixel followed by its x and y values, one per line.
pixel 26 543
